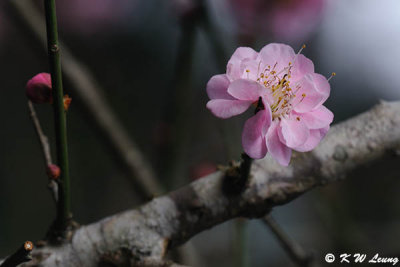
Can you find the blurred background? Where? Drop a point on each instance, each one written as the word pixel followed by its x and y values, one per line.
pixel 153 60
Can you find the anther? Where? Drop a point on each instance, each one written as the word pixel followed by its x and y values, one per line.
pixel 332 75
pixel 298 118
pixel 301 49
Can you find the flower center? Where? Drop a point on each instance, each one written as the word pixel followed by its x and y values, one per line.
pixel 279 91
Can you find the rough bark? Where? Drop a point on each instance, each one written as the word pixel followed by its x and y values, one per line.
pixel 148 232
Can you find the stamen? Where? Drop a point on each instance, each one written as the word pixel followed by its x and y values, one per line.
pixel 332 75
pixel 301 49
pixel 258 68
pixel 276 81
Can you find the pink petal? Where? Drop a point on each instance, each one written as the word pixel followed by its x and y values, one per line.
pixel 233 66
pixel 250 68
pixel 277 53
pixel 322 85
pixel 217 87
pixel 276 148
pixel 313 140
pixel 301 67
pixel 245 89
pixel 293 132
pixel 253 136
pixel 318 118
pixel 316 89
pixel 224 108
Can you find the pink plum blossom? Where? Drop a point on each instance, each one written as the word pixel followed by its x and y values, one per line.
pixel 291 95
pixel 289 20
pixel 90 16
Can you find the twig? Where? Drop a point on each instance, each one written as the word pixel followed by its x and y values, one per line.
pixel 44 144
pixel 23 254
pixel 44 141
pixel 241 243
pixel 88 91
pixel 64 197
pixel 295 251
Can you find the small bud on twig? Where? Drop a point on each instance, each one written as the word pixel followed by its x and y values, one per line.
pixel 53 171
pixel 67 102
pixel 28 246
pixel 39 90
pixel 23 254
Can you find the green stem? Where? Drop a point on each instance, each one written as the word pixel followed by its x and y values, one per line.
pixel 63 205
pixel 242 257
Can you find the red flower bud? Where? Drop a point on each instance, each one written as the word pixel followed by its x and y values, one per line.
pixel 53 171
pixel 38 89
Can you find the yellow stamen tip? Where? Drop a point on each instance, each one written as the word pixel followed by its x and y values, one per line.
pixel 303 46
pixel 333 73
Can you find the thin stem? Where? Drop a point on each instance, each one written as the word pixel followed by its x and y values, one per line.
pixel 44 142
pixel 294 250
pixel 63 205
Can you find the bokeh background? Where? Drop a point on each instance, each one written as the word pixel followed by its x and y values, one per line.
pixel 153 60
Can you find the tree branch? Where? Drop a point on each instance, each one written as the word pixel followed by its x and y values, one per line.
pixel 168 221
